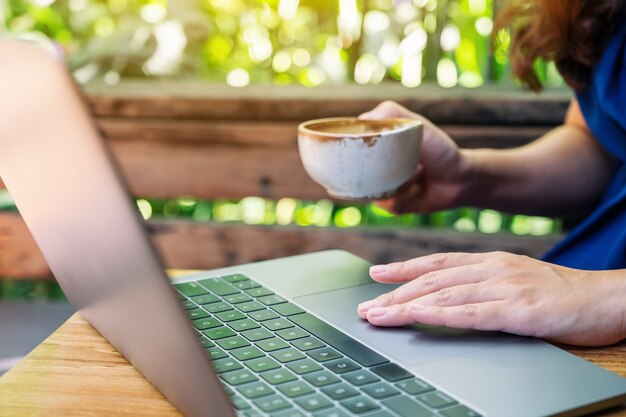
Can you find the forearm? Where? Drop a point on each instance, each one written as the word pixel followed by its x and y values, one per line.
pixel 561 174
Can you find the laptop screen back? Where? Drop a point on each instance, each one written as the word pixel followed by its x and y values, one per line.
pixel 70 195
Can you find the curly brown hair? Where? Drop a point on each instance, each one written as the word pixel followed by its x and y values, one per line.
pixel 572 33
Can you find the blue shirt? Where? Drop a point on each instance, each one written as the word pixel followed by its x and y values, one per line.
pixel 599 242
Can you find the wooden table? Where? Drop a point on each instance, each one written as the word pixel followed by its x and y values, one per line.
pixel 76 372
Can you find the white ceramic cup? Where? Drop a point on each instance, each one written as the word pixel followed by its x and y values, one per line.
pixel 359 159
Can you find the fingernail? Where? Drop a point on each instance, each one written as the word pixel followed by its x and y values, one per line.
pixel 379 269
pixel 376 312
pixel 367 305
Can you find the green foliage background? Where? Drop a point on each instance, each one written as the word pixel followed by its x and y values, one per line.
pixel 308 42
pixel 281 42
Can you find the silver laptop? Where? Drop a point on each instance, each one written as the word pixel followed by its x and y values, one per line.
pixel 280 337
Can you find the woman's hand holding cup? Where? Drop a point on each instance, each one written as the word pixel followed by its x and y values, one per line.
pixel 441 175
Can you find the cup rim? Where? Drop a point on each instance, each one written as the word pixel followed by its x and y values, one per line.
pixel 408 123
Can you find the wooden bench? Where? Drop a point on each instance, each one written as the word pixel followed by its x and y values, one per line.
pixel 176 139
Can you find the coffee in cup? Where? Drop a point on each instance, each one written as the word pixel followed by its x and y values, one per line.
pixel 360 159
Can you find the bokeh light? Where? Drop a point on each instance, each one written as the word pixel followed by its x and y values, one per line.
pixel 240 42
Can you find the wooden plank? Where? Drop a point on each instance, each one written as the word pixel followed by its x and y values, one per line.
pixel 19 255
pixel 165 170
pixel 237 159
pixel 204 246
pixel 283 134
pixel 489 105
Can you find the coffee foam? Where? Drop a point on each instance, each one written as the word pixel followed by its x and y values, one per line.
pixel 356 126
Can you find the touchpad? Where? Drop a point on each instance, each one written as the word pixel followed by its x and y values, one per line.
pixel 412 345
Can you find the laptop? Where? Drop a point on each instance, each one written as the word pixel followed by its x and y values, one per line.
pixel 275 338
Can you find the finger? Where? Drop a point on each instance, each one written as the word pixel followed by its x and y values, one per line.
pixel 455 295
pixel 478 316
pixel 396 315
pixel 416 267
pixel 403 200
pixel 385 110
pixel 437 288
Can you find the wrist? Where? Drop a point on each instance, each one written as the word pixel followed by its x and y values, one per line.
pixel 610 297
pixel 477 184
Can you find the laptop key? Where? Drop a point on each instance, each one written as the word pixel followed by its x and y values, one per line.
pixel 226 365
pixel 340 341
pixel 231 315
pixel 206 323
pixel 237 298
pixel 333 412
pixel 245 285
pixel 342 365
pixel 407 407
pixel 360 377
pixel 262 364
pixel 206 343
pixel 272 403
pixel 321 379
pixel 257 334
pixel 292 333
pixel 290 413
pixel 232 343
pixel 189 305
pixel 382 413
pixel 324 354
pixel 415 386
pixel 265 314
pixel 437 399
pixel 391 372
pixel 205 299
pixel 307 343
pixel 219 333
pixel 239 377
pixel 217 307
pixel 304 366
pixel 247 353
pixel 359 405
pixel 245 324
pixel 239 403
pixel 218 287
pixel 287 309
pixel 313 402
pixel 278 376
pixel 270 345
pixel 255 389
pixel 258 292
pixel 271 300
pixel 340 391
pixel 190 289
pixel 197 314
pixel 277 324
pixel 250 306
pixel 381 390
pixel 215 353
pixel 459 411
pixel 287 355
pixel 235 278
pixel 295 389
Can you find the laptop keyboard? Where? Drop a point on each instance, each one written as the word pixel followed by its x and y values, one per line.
pixel 276 359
